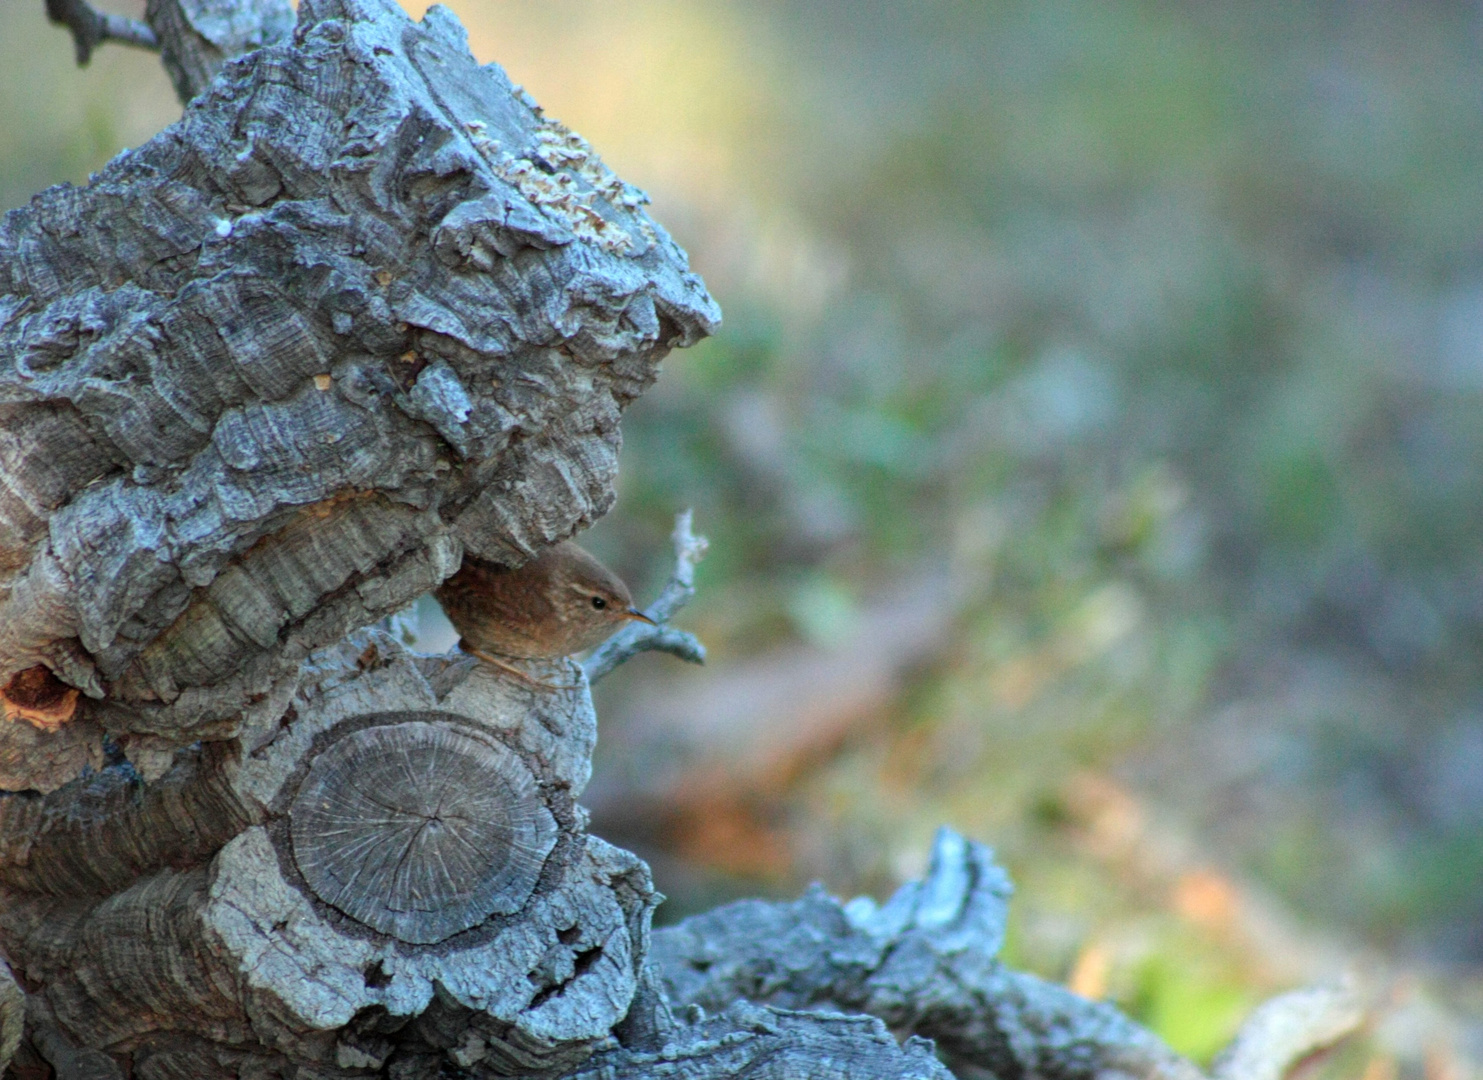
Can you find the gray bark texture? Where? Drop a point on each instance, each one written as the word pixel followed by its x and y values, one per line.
pixel 270 374
pixel 924 963
pixel 264 381
pixel 261 908
pixel 198 37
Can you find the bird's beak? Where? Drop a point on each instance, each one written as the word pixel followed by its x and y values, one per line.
pixel 639 616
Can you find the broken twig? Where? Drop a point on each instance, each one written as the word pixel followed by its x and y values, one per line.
pixel 1288 1028
pixel 91 27
pixel 639 637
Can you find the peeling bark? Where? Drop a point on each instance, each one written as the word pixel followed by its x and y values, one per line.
pixel 924 963
pixel 759 1043
pixel 229 914
pixel 363 307
pixel 266 379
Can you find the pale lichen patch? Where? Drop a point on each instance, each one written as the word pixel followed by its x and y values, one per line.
pixel 564 177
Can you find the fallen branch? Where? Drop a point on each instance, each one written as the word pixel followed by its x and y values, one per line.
pixel 924 963
pixel 639 637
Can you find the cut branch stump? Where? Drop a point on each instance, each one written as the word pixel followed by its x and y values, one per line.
pixel 265 380
pixel 404 846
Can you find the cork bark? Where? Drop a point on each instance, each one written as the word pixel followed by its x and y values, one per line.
pixel 195 925
pixel 924 962
pixel 364 307
pixel 267 378
pixel 264 381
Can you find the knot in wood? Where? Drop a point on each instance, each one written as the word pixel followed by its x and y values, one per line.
pixel 420 830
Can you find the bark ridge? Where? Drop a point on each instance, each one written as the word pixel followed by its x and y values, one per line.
pixel 194 925
pixel 364 306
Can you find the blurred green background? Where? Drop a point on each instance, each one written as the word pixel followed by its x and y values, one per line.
pixel 1158 329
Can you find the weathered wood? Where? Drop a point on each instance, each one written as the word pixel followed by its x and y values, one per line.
pixel 205 924
pixel 34 758
pixel 270 373
pixel 924 963
pixel 754 1042
pixel 420 830
pixel 98 835
pixel 198 37
pixel 1288 1028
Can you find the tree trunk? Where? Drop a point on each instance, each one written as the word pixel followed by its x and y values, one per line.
pixel 269 376
pixel 362 308
pixel 406 846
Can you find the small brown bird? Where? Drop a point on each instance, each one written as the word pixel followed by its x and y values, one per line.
pixel 557 604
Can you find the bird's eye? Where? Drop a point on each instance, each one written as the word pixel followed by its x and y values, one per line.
pixel 599 603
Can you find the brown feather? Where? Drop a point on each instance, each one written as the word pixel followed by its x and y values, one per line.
pixel 543 609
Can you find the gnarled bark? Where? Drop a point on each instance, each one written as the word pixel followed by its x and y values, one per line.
pixel 269 374
pixel 752 1042
pixel 198 37
pixel 266 379
pixel 924 963
pixel 405 843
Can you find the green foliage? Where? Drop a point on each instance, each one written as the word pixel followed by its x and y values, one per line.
pixel 1163 326
pixel 1189 1001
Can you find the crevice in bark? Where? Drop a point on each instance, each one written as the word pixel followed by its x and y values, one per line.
pixel 362 309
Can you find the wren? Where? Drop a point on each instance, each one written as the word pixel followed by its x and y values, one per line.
pixel 561 602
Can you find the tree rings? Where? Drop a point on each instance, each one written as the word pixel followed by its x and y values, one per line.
pixel 420 829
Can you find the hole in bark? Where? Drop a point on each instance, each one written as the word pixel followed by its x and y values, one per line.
pixel 569 936
pixel 39 697
pixel 585 959
pixel 581 964
pixel 420 830
pixel 669 331
pixel 376 976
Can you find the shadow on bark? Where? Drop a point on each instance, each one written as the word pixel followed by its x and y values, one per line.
pixel 362 309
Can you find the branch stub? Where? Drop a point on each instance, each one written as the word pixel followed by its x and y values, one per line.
pixel 419 830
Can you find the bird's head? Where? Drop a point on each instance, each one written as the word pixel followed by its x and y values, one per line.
pixel 590 588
